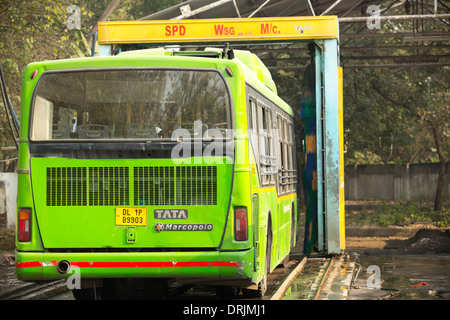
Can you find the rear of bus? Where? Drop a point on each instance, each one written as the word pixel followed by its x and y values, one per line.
pixel 126 169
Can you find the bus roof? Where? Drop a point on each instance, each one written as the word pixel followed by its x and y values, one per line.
pixel 252 68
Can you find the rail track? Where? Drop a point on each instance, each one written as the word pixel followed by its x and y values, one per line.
pixel 306 281
pixel 35 291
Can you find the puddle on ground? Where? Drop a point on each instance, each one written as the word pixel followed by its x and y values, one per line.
pixel 302 287
pixel 403 277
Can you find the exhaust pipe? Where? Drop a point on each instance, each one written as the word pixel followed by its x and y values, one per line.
pixel 63 266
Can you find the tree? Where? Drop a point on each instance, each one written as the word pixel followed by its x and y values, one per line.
pixel 398 115
pixel 38 30
pixel 34 31
pixel 425 95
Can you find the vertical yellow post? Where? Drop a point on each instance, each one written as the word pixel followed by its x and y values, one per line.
pixel 341 157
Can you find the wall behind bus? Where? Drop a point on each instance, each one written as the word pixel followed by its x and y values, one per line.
pixel 8 199
pixel 394 182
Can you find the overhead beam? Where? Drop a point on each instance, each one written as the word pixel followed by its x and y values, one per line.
pixel 218 30
pixel 373 66
pixel 407 57
pixel 418 47
pixel 396 17
pixel 398 65
pixel 365 48
pixel 395 35
pixel 344 58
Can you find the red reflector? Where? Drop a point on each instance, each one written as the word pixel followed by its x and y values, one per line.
pixel 230 73
pixel 240 224
pixel 24 234
pixel 34 74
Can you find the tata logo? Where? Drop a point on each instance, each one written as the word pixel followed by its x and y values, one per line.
pixel 303 28
pixel 171 214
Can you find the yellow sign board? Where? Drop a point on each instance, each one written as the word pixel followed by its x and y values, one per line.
pixel 250 29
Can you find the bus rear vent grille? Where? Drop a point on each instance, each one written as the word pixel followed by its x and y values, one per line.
pixel 70 186
pixel 175 185
pixel 66 186
pixel 154 186
pixel 197 185
pixel 110 186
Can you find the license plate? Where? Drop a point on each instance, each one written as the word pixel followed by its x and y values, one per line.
pixel 128 216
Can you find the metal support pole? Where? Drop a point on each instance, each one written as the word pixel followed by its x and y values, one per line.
pixel 202 9
pixel 318 59
pixel 331 7
pixel 310 7
pixel 260 7
pixel 331 145
pixel 237 9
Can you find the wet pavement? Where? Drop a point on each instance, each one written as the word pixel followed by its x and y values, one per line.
pixel 402 277
pixel 388 268
pixel 368 277
pixel 8 280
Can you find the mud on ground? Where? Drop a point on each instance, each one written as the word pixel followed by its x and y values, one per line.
pixel 426 240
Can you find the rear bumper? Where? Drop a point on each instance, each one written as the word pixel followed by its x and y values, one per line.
pixel 36 266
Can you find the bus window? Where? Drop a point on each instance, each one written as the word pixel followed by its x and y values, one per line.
pixel 290 158
pixel 129 104
pixel 265 142
pixel 271 152
pixel 285 157
pixel 253 117
pixel 280 152
pixel 43 116
pixel 262 142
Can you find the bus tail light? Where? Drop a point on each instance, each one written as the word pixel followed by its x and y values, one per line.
pixel 240 224
pixel 24 225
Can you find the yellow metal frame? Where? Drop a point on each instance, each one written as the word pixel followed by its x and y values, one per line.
pixel 323 29
pixel 254 29
pixel 341 157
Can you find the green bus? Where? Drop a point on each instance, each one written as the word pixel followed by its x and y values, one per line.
pixel 155 164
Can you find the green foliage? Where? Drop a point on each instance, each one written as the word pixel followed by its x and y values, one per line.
pixel 37 30
pixel 389 111
pixel 400 214
pixel 380 130
pixel 32 31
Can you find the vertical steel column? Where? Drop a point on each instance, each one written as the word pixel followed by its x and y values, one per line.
pixel 104 50
pixel 331 144
pixel 341 157
pixel 319 148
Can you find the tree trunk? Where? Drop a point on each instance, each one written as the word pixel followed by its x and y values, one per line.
pixel 437 142
pixel 440 184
